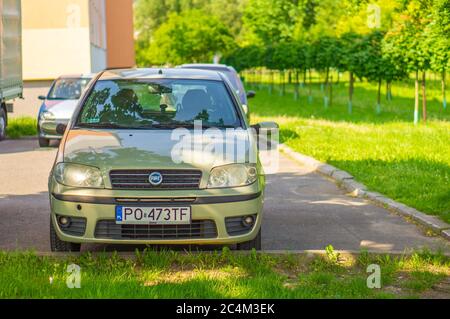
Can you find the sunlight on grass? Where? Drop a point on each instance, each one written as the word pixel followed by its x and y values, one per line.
pixel 386 151
pixel 229 275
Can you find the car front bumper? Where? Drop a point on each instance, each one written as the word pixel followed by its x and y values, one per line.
pixel 209 205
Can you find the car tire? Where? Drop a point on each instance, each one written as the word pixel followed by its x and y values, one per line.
pixel 3 122
pixel 57 244
pixel 44 142
pixel 251 244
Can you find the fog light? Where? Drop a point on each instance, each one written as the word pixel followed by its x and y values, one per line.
pixel 248 221
pixel 64 221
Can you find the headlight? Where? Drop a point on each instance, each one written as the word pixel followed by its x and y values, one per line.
pixel 46 115
pixel 75 175
pixel 233 175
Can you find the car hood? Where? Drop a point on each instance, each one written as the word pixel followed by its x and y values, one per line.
pixel 62 109
pixel 156 149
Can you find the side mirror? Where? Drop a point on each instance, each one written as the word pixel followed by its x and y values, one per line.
pixel 42 97
pixel 269 126
pixel 267 135
pixel 61 129
pixel 251 94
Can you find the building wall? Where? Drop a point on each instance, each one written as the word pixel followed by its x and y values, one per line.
pixel 120 33
pixel 56 38
pixel 97 28
pixel 76 36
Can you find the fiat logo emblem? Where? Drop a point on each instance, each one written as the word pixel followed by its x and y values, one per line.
pixel 155 178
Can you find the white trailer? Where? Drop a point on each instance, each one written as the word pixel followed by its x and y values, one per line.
pixel 11 85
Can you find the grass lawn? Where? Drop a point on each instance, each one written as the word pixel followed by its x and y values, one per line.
pixel 171 274
pixel 20 127
pixel 385 151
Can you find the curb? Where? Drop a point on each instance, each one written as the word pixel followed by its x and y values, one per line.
pixel 308 252
pixel 22 138
pixel 357 189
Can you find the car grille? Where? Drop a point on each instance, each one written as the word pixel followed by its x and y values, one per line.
pixel 108 229
pixel 76 227
pixel 235 227
pixel 139 179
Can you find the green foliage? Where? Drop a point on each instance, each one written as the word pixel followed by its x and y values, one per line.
pixel 298 34
pixel 271 21
pixel 332 255
pixel 189 37
pixel 326 50
pixel 150 15
pixel 405 43
pixel 20 127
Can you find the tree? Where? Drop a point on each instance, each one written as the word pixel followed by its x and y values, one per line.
pixel 404 45
pixel 271 21
pixel 351 59
pixel 326 50
pixel 189 37
pixel 438 41
pixel 284 58
pixel 151 14
pixel 375 66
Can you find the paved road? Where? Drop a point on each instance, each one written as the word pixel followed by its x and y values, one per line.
pixel 303 210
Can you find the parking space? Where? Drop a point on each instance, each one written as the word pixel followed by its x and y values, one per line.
pixel 303 210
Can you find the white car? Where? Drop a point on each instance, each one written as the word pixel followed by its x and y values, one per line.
pixel 58 106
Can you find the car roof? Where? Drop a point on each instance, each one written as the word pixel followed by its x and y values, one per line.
pixel 76 76
pixel 160 73
pixel 206 66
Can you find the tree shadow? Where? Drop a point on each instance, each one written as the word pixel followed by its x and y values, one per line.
pixel 420 183
pixel 25 145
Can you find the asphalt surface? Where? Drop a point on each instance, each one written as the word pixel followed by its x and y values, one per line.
pixel 303 210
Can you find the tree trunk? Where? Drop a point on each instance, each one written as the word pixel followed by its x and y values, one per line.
pixel 282 80
pixel 424 97
pixel 310 98
pixel 297 84
pixel 331 91
pixel 350 93
pixel 304 77
pixel 416 99
pixel 325 98
pixel 378 110
pixel 271 82
pixel 387 90
pixel 389 93
pixel 444 100
pixel 260 79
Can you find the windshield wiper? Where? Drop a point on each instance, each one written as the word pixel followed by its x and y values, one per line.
pixel 102 125
pixel 189 126
pixel 167 126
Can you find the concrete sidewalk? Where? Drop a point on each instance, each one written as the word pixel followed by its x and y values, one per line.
pixel 303 210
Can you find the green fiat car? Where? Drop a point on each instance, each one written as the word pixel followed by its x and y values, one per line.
pixel 158 157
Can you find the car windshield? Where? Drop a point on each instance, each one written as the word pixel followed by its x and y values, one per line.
pixel 162 103
pixel 68 89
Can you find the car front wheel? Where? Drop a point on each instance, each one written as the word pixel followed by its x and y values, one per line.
pixel 57 244
pixel 2 124
pixel 44 142
pixel 252 244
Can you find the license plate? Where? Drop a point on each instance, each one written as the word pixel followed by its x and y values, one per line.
pixel 153 215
